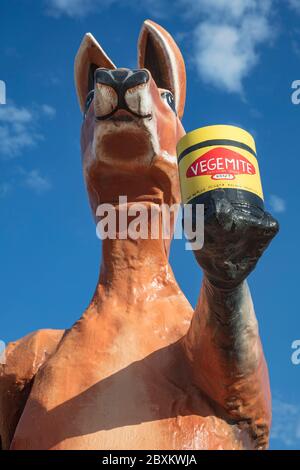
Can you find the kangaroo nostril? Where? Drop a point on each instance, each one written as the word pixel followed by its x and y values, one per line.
pixel 137 77
pixel 104 77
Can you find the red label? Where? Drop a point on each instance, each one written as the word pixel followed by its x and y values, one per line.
pixel 221 163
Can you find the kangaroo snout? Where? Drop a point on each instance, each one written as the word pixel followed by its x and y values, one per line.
pixel 121 89
pixel 121 79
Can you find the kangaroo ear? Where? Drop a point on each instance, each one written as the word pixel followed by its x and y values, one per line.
pixel 90 56
pixel 158 52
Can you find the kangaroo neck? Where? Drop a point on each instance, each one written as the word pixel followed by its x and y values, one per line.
pixel 136 259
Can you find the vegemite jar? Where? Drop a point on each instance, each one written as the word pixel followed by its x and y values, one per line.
pixel 219 162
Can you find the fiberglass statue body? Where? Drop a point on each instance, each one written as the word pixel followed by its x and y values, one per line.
pixel 141 369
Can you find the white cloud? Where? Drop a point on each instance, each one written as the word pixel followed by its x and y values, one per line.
pixel 69 7
pixel 30 179
pixel 80 8
pixel 18 128
pixel 12 114
pixel 295 5
pixel 227 38
pixel 48 110
pixel 234 9
pixel 75 8
pixel 286 423
pixel 19 132
pixel 277 204
pixel 35 181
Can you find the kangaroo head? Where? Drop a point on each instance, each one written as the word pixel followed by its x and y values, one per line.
pixel 131 119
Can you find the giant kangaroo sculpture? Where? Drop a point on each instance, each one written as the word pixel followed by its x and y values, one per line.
pixel 141 369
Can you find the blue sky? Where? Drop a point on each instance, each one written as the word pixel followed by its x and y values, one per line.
pixel 241 61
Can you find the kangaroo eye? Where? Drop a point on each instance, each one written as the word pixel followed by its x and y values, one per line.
pixel 169 98
pixel 88 101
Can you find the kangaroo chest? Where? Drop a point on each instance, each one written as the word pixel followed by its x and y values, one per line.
pixel 89 396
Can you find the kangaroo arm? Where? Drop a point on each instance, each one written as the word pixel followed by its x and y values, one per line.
pixel 23 360
pixel 227 359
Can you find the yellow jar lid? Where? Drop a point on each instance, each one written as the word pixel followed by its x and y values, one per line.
pixel 216 135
